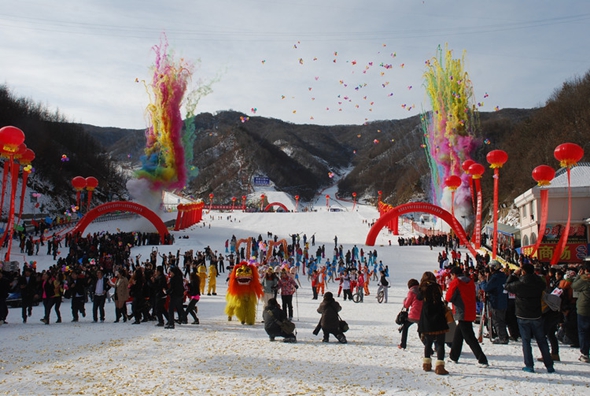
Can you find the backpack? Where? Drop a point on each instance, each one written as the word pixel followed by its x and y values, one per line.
pixel 553 299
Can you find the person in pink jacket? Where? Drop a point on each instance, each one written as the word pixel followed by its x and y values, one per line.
pixel 414 307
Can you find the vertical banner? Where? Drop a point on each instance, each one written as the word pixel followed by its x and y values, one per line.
pixel 543 225
pixel 563 240
pixel 477 227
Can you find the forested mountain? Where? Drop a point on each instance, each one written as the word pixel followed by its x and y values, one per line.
pixel 303 159
pixel 52 137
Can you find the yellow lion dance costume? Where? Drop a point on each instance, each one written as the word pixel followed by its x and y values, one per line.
pixel 243 291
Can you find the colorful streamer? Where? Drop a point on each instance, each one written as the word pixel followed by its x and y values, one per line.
pixel 168 158
pixel 449 128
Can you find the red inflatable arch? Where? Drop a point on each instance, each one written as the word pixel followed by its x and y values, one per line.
pixel 419 207
pixel 280 205
pixel 122 206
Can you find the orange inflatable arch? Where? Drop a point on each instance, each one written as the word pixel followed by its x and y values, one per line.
pixel 122 206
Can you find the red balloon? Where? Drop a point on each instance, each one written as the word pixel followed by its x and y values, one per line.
pixel 476 170
pixel 10 138
pixel 568 154
pixel 453 182
pixel 543 174
pixel 79 183
pixel 466 164
pixel 91 183
pixel 497 158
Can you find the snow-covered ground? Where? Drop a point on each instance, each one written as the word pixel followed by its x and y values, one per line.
pixel 219 357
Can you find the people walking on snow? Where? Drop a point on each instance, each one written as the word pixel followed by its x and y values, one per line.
pixel 461 293
pixel 433 323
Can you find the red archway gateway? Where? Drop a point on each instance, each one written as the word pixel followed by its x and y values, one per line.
pixel 280 205
pixel 425 207
pixel 123 206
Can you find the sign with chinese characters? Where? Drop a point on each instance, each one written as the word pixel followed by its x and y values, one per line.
pixel 572 253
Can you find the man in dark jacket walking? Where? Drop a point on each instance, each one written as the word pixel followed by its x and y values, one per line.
pixel 528 289
pixel 461 293
pixel 498 300
pixel 76 287
pixel 28 291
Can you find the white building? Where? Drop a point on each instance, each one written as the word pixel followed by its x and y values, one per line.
pixel 529 206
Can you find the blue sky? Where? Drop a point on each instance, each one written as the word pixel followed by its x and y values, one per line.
pixel 311 61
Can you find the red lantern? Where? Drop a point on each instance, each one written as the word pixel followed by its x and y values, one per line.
pixel 243 197
pixel 91 183
pixel 27 157
pixel 453 182
pixel 79 183
pixel 296 197
pixel 543 174
pixel 568 154
pixel 211 196
pixel 20 151
pixel 10 138
pixel 476 170
pixel 354 195
pixel 466 164
pixel 497 158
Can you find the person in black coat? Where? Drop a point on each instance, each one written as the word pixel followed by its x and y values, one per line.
pixel 77 291
pixel 27 284
pixel 159 285
pixel 4 290
pixel 529 289
pixel 176 293
pixel 330 321
pixel 433 323
pixel 136 289
pixel 273 315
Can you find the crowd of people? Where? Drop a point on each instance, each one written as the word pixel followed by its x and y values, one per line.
pixel 550 305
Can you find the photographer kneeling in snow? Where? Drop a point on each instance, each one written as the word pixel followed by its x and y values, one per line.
pixel 276 323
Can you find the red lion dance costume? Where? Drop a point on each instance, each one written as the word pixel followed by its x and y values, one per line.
pixel 243 291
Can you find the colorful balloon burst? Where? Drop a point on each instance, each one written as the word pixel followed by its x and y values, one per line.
pixel 449 127
pixel 170 140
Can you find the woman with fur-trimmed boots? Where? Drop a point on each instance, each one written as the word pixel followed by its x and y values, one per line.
pixel 433 323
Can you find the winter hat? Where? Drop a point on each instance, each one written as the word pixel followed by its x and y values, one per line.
pixel 494 265
pixel 570 275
